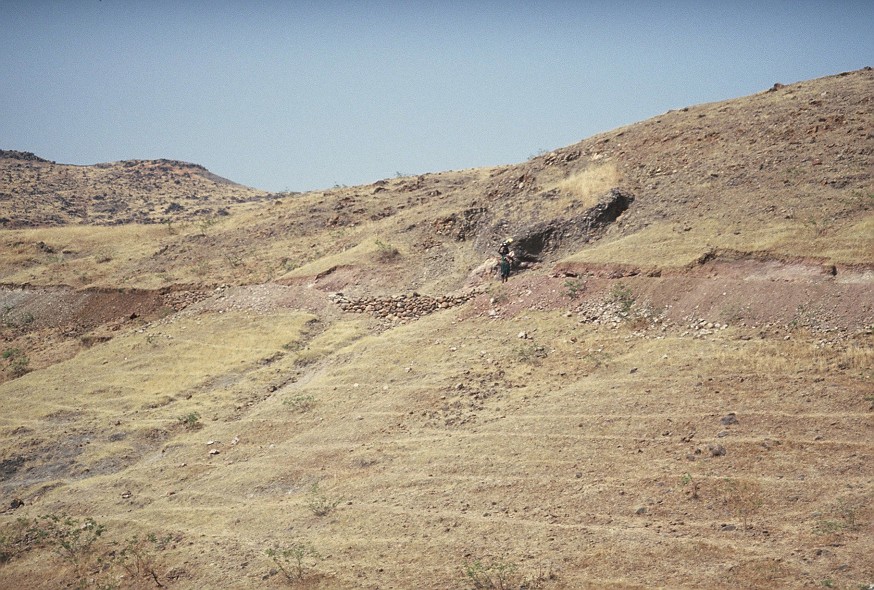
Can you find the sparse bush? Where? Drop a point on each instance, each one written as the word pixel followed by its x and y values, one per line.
pixel 138 558
pixel 622 295
pixel 694 485
pixel 294 561
pixel 841 516
pixel 531 354
pixel 205 224
pixel 103 256
pixel 95 563
pixel 190 421
pixel 742 498
pixel 69 537
pixel 300 403
pixel 497 574
pixel 18 321
pixel 573 288
pixel 17 362
pixel 235 259
pixel 20 366
pixel 293 346
pixel 15 538
pixel 386 252
pixel 598 358
pixel 319 503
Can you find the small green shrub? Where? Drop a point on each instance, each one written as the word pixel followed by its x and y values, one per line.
pixel 573 288
pixel 293 346
pixel 18 363
pixel 319 503
pixel 235 259
pixel 840 516
pixel 69 537
pixel 386 252
pixel 623 296
pixel 80 543
pixel 190 421
pixel 598 358
pixel 294 561
pixel 694 485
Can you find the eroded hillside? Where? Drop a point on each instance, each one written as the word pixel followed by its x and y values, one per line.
pixel 332 389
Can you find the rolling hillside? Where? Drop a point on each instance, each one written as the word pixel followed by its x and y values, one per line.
pixel 333 390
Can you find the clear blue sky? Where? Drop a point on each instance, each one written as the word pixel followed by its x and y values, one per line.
pixel 305 95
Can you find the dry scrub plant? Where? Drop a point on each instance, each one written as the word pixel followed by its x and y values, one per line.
pixel 295 560
pixel 386 252
pixel 80 544
pixel 300 403
pixel 321 504
pixel 190 421
pixel 17 362
pixel 742 498
pixel 497 574
pixel 137 556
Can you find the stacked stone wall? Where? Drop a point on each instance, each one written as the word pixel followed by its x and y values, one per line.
pixel 406 307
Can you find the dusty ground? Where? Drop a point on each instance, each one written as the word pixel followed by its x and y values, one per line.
pixel 680 397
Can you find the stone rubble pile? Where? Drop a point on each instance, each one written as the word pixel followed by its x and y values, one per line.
pixel 409 306
pixel 612 313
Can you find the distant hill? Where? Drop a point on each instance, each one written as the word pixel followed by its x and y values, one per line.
pixel 37 192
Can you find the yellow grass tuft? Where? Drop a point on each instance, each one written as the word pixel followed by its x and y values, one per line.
pixel 589 184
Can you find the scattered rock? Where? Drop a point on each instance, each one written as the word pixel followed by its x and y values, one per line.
pixel 729 419
pixel 716 450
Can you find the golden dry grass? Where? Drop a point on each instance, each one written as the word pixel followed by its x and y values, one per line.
pixel 263 416
pixel 590 183
pixel 666 245
pixel 447 439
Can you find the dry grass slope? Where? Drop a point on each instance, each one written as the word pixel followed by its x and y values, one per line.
pixel 679 398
